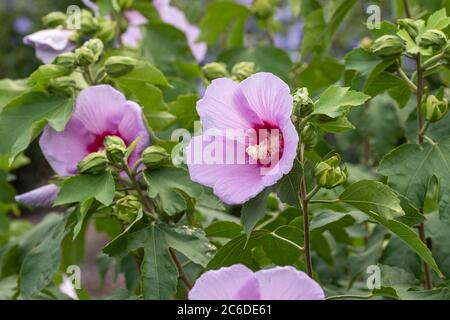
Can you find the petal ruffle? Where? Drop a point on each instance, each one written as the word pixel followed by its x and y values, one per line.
pixel 222 284
pixel 40 197
pixel 287 283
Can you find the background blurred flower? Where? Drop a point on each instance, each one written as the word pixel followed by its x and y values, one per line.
pixel 240 283
pixel 176 18
pixel 50 43
pixel 133 34
pixel 261 103
pixel 22 25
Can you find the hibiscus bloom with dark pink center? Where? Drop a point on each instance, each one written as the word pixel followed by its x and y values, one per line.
pixel 263 142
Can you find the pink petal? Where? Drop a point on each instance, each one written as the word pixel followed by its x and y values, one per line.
pixel 100 108
pixel 135 18
pixel 40 197
pixel 222 284
pixel 268 96
pixel 233 183
pixel 222 108
pixel 131 127
pixel 63 150
pixel 132 36
pixel 287 283
pixel 50 43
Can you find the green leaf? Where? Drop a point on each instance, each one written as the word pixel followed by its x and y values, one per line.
pixel 86 186
pixel 373 196
pixel 22 119
pixel 282 245
pixel 166 47
pixel 254 210
pixel 266 58
pixel 396 281
pixel 42 262
pixel 159 273
pixel 410 168
pixel 224 229
pixel 334 125
pixel 438 20
pixel 409 236
pixel 398 254
pixel 327 220
pixel 320 73
pixel 169 186
pixel 332 102
pixel 8 287
pixel 222 17
pixel 287 187
pixel 42 76
pixel 9 89
pixel 437 230
pixel 143 72
pixel 189 241
pixel 184 110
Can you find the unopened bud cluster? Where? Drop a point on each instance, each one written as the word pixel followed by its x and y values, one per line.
pixel 329 173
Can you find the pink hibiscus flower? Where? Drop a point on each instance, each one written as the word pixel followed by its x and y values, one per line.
pixel 248 141
pixel 133 35
pixel 100 111
pixel 240 283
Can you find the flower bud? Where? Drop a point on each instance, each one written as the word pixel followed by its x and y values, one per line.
pixel 117 66
pixel 242 70
pixel 89 53
pixel 127 208
pixel 115 149
pixel 329 174
pixel 215 70
pixel 66 60
pixel 155 156
pixel 93 163
pixel 106 30
pixel 263 9
pixel 410 25
pixel 303 104
pixel 62 85
pixel 388 46
pixel 433 38
pixel 54 19
pixel 309 136
pixel 89 24
pixel 447 53
pixel 434 109
pixel 365 43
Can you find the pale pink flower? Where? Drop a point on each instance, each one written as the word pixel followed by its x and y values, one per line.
pixel 50 43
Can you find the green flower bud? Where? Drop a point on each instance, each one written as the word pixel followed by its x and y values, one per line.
pixel 215 70
pixel 410 25
pixel 115 149
pixel 66 60
pixel 89 53
pixel 127 208
pixel 329 174
pixel 62 85
pixel 89 24
pixel 433 38
pixel 263 9
pixel 242 70
pixel 155 156
pixel 365 43
pixel 93 163
pixel 309 136
pixel 117 66
pixel 388 46
pixel 303 104
pixel 106 30
pixel 447 52
pixel 434 109
pixel 54 19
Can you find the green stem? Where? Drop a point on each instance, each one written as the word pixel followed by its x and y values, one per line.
pixel 350 296
pixel 405 78
pixel 407 10
pixel 88 75
pixel 324 201
pixel 304 203
pixel 180 268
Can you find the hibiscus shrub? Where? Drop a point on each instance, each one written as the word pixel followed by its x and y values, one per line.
pixel 230 160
